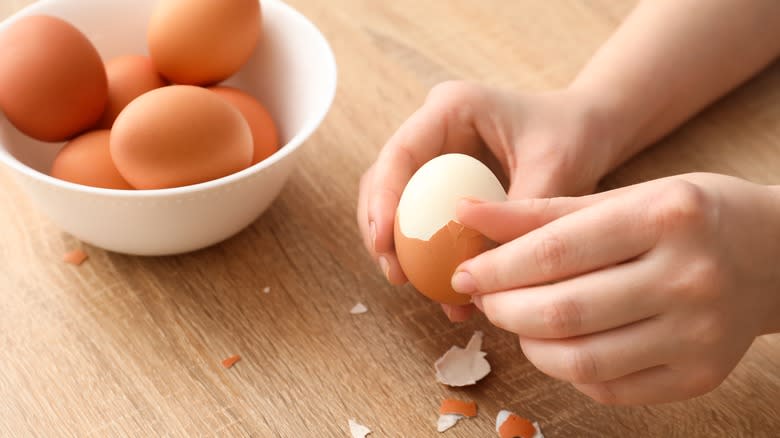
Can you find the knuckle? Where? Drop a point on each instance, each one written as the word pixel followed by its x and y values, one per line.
pixel 550 254
pixel 453 91
pixel 699 280
pixel 562 318
pixel 579 366
pixel 703 380
pixel 455 100
pixel 706 333
pixel 680 204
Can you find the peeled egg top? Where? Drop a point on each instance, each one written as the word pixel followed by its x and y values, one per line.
pixel 429 240
pixel 438 186
pixel 202 42
pixel 52 81
pixel 87 160
pixel 264 132
pixel 179 135
pixel 129 76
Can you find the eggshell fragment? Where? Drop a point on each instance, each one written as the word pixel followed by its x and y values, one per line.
pixel 358 309
pixel 357 430
pixel 128 77
pixel 87 160
pixel 264 133
pixel 202 42
pixel 459 407
pixel 511 425
pixel 447 422
pixel 429 240
pixel 230 361
pixel 463 366
pixel 75 257
pixel 179 135
pixel 52 81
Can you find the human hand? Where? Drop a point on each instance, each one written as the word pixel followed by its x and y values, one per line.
pixel 546 145
pixel 644 294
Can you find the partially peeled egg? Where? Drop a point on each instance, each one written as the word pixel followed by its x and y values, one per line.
pixel 429 240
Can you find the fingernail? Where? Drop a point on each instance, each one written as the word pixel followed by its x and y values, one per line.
pixel 372 234
pixel 384 265
pixel 477 302
pixel 448 312
pixel 463 283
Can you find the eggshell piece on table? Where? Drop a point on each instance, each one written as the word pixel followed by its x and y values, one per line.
pixel 429 240
pixel 129 76
pixel 52 81
pixel 177 136
pixel 358 430
pixel 463 366
pixel 230 361
pixel 87 160
pixel 203 42
pixel 511 425
pixel 458 407
pixel 447 422
pixel 264 133
pixel 358 309
pixel 75 257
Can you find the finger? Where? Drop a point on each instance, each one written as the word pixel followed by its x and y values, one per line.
pixel 425 135
pixel 505 221
pixel 592 303
pixel 602 356
pixel 388 263
pixel 367 230
pixel 391 267
pixel 659 384
pixel 457 313
pixel 609 232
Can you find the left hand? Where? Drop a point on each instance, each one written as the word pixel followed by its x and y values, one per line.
pixel 643 294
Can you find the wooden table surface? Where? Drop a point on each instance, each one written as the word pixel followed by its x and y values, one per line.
pixel 129 346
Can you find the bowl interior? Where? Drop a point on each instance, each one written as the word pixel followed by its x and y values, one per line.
pixel 292 71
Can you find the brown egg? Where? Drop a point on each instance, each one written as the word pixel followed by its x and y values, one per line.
pixel 128 77
pixel 87 160
pixel 429 241
pixel 264 133
pixel 179 135
pixel 202 42
pixel 52 81
pixel 430 264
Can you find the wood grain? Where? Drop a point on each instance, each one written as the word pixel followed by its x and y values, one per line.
pixel 128 346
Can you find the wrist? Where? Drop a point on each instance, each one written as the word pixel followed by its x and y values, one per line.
pixel 610 129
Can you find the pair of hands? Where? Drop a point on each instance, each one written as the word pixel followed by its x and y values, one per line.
pixel 643 294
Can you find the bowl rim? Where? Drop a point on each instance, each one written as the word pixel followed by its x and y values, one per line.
pixel 310 126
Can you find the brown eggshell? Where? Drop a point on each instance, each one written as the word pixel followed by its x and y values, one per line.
pixel 128 77
pixel 264 132
pixel 87 160
pixel 429 265
pixel 202 42
pixel 179 135
pixel 52 81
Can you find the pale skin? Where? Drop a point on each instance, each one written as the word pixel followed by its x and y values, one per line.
pixel 646 294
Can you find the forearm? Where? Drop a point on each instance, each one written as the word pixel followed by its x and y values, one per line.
pixel 671 58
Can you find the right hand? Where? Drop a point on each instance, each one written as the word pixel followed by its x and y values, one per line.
pixel 546 145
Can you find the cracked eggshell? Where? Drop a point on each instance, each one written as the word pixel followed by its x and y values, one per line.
pixel 429 240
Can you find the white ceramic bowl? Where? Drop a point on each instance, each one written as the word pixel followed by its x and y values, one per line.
pixel 293 72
